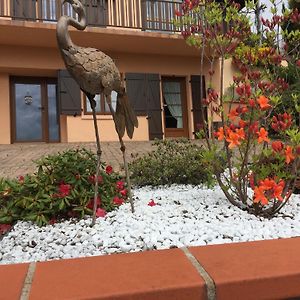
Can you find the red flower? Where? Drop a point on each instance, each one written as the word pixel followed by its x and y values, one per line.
pixel 120 185
pixel 64 190
pixel 178 13
pixel 124 193
pixel 118 201
pixel 90 204
pixel 92 179
pixel 152 203
pixel 298 63
pixel 21 179
pixel 277 146
pixel 4 228
pixel 108 170
pixel 52 221
pixel 251 103
pixel 100 213
pixel 281 122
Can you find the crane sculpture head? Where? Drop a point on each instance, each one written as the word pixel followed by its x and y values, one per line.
pixel 77 6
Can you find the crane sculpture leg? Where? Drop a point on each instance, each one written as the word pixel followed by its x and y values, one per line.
pixel 99 153
pixel 123 150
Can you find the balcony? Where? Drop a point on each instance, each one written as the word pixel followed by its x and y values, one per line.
pixel 145 15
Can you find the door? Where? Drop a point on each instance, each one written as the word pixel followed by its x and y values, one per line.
pixel 34 110
pixel 174 103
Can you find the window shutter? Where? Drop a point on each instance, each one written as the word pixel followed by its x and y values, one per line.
pixel 198 94
pixel 24 9
pixel 96 12
pixel 154 107
pixel 69 94
pixel 143 91
pixel 136 91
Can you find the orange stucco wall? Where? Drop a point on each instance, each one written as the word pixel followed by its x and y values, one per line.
pixel 45 61
pixel 4 109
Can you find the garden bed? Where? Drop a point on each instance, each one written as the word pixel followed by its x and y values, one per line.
pixel 165 217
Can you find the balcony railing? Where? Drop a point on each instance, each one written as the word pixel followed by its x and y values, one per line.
pixel 152 15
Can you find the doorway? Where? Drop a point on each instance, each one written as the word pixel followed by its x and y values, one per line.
pixel 34 110
pixel 175 107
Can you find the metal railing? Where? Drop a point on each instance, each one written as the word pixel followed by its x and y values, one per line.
pixel 152 15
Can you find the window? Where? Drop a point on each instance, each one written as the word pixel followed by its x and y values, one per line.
pixel 101 105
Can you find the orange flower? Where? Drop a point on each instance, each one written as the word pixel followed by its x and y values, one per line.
pixel 263 102
pixel 278 189
pixel 220 134
pixel 233 114
pixel 267 184
pixel 242 123
pixel 289 154
pixel 233 139
pixel 241 133
pixel 262 135
pixel 259 196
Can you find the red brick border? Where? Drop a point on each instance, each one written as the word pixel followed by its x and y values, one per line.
pixel 254 270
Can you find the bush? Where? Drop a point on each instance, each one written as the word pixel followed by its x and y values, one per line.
pixel 62 187
pixel 173 161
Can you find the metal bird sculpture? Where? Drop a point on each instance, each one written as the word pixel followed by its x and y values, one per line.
pixel 96 73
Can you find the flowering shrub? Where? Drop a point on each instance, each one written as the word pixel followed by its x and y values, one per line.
pixel 62 187
pixel 173 161
pixel 261 173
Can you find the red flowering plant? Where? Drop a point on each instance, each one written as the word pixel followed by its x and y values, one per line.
pixel 259 174
pixel 62 187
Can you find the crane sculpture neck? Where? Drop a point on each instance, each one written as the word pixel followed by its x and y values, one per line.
pixel 63 36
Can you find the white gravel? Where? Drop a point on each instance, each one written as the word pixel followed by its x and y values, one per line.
pixel 183 216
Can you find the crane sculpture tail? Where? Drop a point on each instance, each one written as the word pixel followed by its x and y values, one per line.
pixel 125 117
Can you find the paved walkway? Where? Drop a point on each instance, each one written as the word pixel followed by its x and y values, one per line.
pixel 17 159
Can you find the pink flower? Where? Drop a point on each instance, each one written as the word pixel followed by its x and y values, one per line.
pixel 124 193
pixel 120 185
pixel 118 201
pixel 152 203
pixel 100 213
pixel 108 170
pixel 90 205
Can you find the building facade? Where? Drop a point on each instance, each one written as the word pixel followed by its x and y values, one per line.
pixel 40 102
